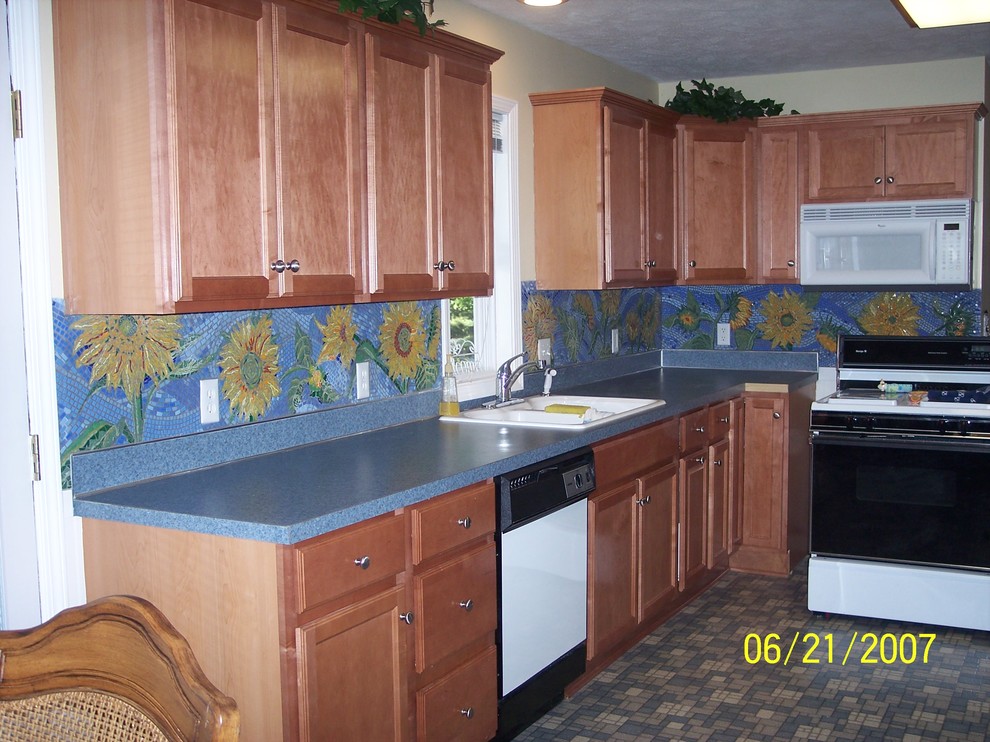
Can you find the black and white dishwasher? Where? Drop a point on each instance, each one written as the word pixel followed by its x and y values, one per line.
pixel 542 545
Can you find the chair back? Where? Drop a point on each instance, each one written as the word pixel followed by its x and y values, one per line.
pixel 113 669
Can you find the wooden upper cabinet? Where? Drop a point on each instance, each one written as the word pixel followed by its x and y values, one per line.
pixel 213 156
pixel 604 184
pixel 891 154
pixel 779 204
pixel 429 169
pixel 718 201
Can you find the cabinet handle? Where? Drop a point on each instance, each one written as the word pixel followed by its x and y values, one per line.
pixel 790 263
pixel 407 618
pixel 700 430
pixel 280 266
pixel 700 460
pixel 693 263
pixel 467 605
pixel 364 562
pixel 878 180
pixel 776 416
pixel 723 419
pixel 890 178
pixel 645 500
pixel 465 521
pixel 650 264
pixel 717 462
pixel 468 712
pixel 444 266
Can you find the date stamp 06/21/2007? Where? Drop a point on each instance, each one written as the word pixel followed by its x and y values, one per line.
pixel 811 648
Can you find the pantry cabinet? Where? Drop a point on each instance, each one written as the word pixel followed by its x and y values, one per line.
pixel 775 503
pixel 891 154
pixel 604 189
pixel 214 155
pixel 717 189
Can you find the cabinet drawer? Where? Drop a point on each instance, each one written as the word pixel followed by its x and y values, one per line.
pixel 454 605
pixel 450 520
pixel 719 419
pixel 620 459
pixel 332 565
pixel 462 705
pixel 694 430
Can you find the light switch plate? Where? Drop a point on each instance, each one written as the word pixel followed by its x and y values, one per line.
pixel 209 401
pixel 543 350
pixel 363 380
pixel 723 334
pixel 615 341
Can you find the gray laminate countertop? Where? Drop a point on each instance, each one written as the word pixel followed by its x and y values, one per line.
pixel 303 491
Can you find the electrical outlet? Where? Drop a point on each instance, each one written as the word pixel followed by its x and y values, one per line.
pixel 363 380
pixel 615 341
pixel 544 350
pixel 209 401
pixel 723 334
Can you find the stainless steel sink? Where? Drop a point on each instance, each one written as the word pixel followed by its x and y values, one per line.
pixel 530 412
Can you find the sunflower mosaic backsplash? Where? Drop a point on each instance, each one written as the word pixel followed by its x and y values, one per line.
pixel 130 378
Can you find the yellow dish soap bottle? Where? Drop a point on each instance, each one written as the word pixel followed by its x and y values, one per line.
pixel 449 404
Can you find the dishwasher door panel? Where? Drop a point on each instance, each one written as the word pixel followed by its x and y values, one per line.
pixel 544 592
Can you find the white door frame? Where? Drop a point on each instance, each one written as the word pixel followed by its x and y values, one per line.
pixel 56 562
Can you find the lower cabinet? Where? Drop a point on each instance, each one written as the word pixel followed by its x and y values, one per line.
pixel 774 525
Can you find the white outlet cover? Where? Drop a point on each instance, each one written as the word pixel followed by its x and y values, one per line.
pixel 723 334
pixel 209 401
pixel 363 379
pixel 615 340
pixel 544 349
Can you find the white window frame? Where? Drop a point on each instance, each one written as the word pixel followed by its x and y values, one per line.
pixel 505 333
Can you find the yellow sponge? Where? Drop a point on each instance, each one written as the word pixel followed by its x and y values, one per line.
pixel 567 409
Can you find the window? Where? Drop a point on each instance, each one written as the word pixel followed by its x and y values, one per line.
pixel 481 332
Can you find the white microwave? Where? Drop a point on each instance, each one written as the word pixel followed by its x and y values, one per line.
pixel 903 244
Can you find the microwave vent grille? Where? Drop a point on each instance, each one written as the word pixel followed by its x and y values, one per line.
pixel 880 210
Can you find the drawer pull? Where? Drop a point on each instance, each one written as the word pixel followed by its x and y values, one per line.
pixel 644 500
pixel 700 460
pixel 717 462
pixel 700 430
pixel 407 618
pixel 467 604
pixel 468 712
pixel 364 562
pixel 723 420
pixel 465 521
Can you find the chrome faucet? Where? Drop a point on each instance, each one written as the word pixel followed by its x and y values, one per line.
pixel 506 377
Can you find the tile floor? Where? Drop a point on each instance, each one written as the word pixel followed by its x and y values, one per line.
pixel 690 679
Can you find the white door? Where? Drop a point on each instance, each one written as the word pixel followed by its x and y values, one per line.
pixel 40 541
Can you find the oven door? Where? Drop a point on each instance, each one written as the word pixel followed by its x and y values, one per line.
pixel 919 500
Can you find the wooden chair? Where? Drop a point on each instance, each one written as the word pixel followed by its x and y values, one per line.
pixel 113 669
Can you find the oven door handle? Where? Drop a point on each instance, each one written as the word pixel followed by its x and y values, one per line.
pixel 913 442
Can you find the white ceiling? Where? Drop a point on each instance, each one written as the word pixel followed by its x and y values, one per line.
pixel 669 40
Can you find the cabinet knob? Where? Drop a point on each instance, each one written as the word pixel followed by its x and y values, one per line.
pixel 890 178
pixel 790 263
pixel 444 266
pixel 467 605
pixel 723 419
pixel 693 263
pixel 878 180
pixel 279 266
pixel 363 562
pixel 776 416
pixel 700 460
pixel 650 264
pixel 407 617
pixel 700 430
pixel 644 500
pixel 717 462
pixel 468 712
pixel 464 522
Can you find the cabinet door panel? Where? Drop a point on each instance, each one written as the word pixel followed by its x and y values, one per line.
pixel 844 162
pixel 693 516
pixel 657 539
pixel 464 134
pixel 402 242
pixel 625 197
pixel 611 568
pixel 226 178
pixel 779 206
pixel 352 671
pixel 462 706
pixel 930 159
pixel 719 478
pixel 763 473
pixel 661 242
pixel 320 169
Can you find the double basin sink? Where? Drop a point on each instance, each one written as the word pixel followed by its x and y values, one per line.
pixel 558 411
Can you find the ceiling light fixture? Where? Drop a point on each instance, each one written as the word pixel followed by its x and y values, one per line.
pixel 928 14
pixel 543 3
